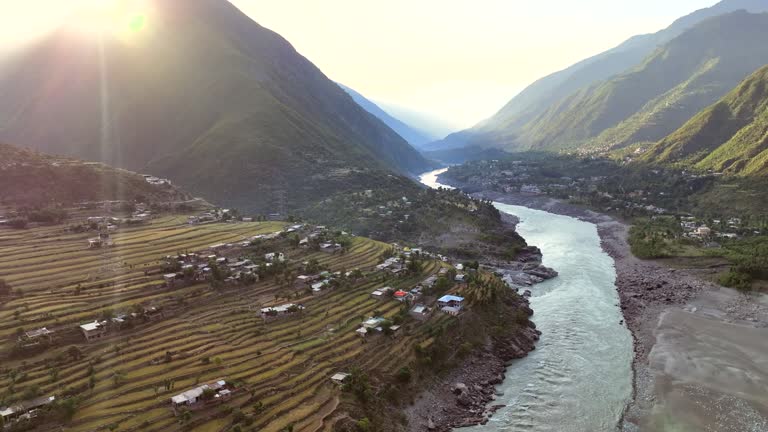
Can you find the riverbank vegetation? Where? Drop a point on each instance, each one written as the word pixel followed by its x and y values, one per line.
pixel 446 221
pixel 701 218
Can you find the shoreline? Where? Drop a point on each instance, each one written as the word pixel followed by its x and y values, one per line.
pixel 645 290
pixel 464 396
pixel 661 307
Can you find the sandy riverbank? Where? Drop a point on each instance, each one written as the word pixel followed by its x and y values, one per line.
pixel 701 357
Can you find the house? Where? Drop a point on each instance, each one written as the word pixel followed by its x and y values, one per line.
pixel 373 322
pixel 317 288
pixel 459 267
pixel 421 312
pixel 282 311
pixel 395 329
pixel 461 278
pixel 416 293
pixel 39 333
pixel 402 296
pixel 153 313
pixel 362 332
pixel 169 278
pixel 451 304
pixel 275 256
pixel 329 247
pixel 304 281
pixel 24 409
pixel 703 231
pixel 304 243
pixel 381 293
pixel 339 378
pixel 193 397
pixel 94 330
pixel 429 282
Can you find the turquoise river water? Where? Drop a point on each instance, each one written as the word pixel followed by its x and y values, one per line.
pixel 579 378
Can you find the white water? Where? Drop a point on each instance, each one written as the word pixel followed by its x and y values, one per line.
pixel 579 378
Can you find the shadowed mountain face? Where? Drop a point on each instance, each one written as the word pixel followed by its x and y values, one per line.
pixel 730 136
pixel 415 137
pixel 33 179
pixel 510 126
pixel 206 97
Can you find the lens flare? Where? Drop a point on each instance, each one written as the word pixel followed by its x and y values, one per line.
pixel 116 18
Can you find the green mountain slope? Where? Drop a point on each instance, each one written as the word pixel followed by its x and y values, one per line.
pixel 30 178
pixel 206 97
pixel 730 136
pixel 645 104
pixel 503 129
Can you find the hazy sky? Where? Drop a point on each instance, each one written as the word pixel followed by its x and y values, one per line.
pixel 459 60
pixel 456 60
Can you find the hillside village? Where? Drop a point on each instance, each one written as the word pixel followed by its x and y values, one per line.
pixel 93 325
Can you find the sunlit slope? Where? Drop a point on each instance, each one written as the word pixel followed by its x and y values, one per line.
pixel 730 136
pixel 283 366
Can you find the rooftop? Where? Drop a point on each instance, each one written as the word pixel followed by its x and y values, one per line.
pixel 450 298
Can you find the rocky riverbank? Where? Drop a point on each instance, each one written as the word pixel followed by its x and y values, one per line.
pixel 464 396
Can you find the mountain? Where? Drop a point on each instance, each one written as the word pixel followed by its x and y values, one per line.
pixel 730 136
pixel 650 101
pixel 206 97
pixel 414 137
pixel 30 178
pixel 502 130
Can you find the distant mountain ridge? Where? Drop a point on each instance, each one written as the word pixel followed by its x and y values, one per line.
pixel 210 99
pixel 503 130
pixel 730 136
pixel 415 137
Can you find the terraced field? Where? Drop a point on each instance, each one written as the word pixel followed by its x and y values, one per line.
pixel 283 366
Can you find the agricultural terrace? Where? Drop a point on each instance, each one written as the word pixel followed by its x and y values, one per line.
pixel 124 382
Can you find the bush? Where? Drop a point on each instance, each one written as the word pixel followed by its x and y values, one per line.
pixel 736 279
pixel 404 374
pixel 364 425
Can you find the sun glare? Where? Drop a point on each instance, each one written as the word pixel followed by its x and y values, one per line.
pixel 110 17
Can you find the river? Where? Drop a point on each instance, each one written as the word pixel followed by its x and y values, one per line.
pixel 579 378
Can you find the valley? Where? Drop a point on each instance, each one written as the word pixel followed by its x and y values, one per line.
pixel 202 229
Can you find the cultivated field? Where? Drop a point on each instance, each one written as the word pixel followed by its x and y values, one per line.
pixel 283 367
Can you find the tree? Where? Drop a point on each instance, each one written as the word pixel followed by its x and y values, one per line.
pixel 75 352
pixel 364 425
pixel 54 373
pixel 117 378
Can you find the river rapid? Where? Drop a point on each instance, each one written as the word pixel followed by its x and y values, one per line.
pixel 579 378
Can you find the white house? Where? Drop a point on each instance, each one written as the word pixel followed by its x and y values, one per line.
pixel 193 396
pixel 93 330
pixel 275 256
